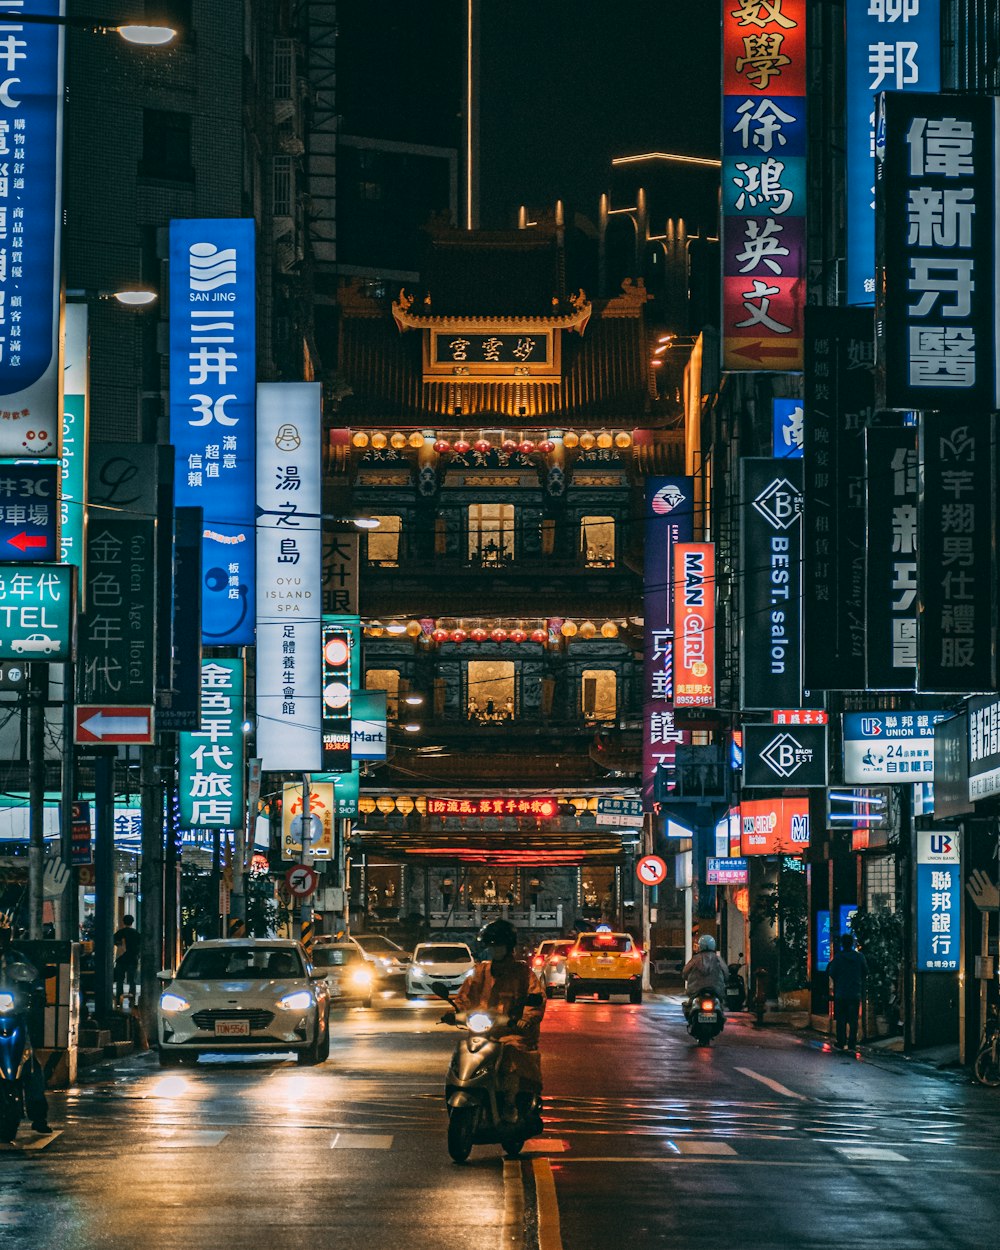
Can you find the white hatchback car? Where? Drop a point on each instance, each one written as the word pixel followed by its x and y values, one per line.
pixel 448 962
pixel 244 994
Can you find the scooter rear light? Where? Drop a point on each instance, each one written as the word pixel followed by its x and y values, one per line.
pixel 707 1004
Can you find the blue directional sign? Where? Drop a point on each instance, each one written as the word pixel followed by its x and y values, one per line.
pixel 29 511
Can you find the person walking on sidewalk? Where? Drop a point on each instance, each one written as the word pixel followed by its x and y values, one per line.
pixel 847 972
pixel 127 964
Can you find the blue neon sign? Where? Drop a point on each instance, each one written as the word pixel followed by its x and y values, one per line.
pixel 788 421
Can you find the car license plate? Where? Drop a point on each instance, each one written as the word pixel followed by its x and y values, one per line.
pixel 706 1017
pixel 604 960
pixel 232 1028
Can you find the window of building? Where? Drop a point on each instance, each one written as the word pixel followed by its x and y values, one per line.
pixel 383 543
pixel 599 693
pixel 491 532
pixel 597 541
pixel 489 690
pixel 166 145
pixel 386 679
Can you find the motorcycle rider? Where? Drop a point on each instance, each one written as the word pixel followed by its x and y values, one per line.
pixel 705 970
pixel 503 985
pixel 17 973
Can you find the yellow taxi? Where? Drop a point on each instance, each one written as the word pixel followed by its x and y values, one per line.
pixel 604 963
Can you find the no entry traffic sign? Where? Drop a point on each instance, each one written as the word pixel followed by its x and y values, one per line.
pixel 651 870
pixel 301 880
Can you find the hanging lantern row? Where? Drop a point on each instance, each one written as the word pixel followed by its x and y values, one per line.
pixel 586 441
pixel 404 804
pixel 440 633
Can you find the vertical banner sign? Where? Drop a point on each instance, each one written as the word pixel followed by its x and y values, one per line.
pixel 289 576
pixel 31 96
pixel 840 400
pixel 669 520
pixel 984 748
pixel 211 787
pixel 180 706
pixel 341 636
pixel 937 202
pixel 771 637
pixel 694 625
pixel 75 437
pixel 892 45
pixel 939 901
pixel 213 375
pixel 891 581
pixel 788 421
pixel 763 183
pixel 340 573
pixel 955 634
pixel 81 851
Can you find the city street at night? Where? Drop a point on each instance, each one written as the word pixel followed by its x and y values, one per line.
pixel 766 1139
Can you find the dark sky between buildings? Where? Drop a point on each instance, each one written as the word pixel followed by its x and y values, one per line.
pixel 565 87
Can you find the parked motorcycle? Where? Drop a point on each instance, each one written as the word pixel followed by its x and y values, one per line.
pixel 705 1017
pixel 736 987
pixel 987 1066
pixel 16 1057
pixel 473 1095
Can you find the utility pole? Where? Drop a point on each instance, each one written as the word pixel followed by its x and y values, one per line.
pixel 69 912
pixel 151 884
pixel 37 692
pixel 306 910
pixel 104 879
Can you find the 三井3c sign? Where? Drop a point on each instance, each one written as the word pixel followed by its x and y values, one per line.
pixel 37 612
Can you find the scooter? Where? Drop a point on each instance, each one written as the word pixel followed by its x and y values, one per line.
pixel 987 1067
pixel 472 1092
pixel 736 987
pixel 705 1017
pixel 16 1057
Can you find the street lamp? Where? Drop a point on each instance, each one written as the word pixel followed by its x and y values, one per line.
pixel 148 36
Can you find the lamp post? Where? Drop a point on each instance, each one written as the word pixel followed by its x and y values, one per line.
pixel 142 35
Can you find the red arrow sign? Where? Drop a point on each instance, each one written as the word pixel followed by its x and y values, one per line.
pixel 23 541
pixel 759 350
pixel 113 725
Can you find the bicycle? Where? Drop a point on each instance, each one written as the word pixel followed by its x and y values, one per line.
pixel 987 1066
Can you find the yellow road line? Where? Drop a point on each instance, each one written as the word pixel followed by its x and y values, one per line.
pixel 549 1236
pixel 512 1225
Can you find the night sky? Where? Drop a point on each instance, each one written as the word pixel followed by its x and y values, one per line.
pixel 567 86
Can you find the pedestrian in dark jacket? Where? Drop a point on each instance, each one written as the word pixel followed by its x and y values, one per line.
pixel 847 972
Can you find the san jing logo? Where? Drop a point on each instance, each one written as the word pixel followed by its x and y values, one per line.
pixel 785 755
pixel 780 504
pixel 211 266
pixel 667 498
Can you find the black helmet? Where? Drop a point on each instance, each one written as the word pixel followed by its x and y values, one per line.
pixel 498 933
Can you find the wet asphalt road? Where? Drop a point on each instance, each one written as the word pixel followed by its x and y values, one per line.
pixel 765 1140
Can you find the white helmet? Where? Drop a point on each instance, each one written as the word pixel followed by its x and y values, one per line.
pixel 706 943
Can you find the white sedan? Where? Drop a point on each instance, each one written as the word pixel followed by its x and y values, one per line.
pixel 448 962
pixel 246 995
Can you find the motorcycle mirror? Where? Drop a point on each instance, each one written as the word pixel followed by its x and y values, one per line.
pixel 441 990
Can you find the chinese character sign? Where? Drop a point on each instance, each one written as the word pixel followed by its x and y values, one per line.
pixel 29 513
pixel 694 625
pixel 984 747
pixel 213 376
pixel 76 389
pixel 289 577
pixel 31 93
pixel 540 808
pixel 939 901
pixel 788 421
pixel 891 637
pixel 763 183
pixel 37 612
pixel 936 314
pixel 211 788
pixel 486 347
pixel 885 747
pixel 892 45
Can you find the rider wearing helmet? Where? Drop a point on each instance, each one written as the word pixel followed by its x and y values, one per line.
pixel 706 970
pixel 506 986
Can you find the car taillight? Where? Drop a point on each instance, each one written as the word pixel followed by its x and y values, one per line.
pixel 556 959
pixel 537 961
pixel 707 1004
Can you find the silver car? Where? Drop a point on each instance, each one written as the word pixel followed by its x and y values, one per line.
pixel 386 958
pixel 446 963
pixel 549 965
pixel 244 995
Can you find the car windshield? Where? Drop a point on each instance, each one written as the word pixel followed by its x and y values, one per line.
pixel 378 944
pixel 604 943
pixel 444 955
pixel 336 956
pixel 253 963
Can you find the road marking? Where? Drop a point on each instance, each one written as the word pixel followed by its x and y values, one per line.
pixel 685 1147
pixel 187 1141
pixel 549 1235
pixel 512 1225
pixel 775 1085
pixel 40 1143
pixel 361 1141
pixel 873 1153
pixel 548 1145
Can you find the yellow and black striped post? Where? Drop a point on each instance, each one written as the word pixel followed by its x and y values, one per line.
pixel 306 937
pixel 237 928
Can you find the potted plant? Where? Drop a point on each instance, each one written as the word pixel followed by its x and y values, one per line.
pixel 784 907
pixel 879 935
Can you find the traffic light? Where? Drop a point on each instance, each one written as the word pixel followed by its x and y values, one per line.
pixel 337 643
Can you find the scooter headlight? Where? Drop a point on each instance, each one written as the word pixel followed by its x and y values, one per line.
pixel 6 1001
pixel 480 1022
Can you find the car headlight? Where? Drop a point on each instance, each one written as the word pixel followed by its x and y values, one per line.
pixel 361 976
pixel 466 975
pixel 173 1002
pixel 299 1000
pixel 6 1002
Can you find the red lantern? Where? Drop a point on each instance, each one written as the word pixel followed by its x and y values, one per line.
pixel 478 634
pixel 527 447
pixel 482 446
pixel 440 635
pixel 442 445
pixel 461 446
pixel 518 635
pixel 539 635
pixel 509 446
pixel 546 445
pixel 498 634
pixel 458 635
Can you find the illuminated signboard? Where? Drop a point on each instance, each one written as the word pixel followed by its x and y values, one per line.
pixel 885 747
pixel 694 625
pixel 75 439
pixel 543 808
pixel 322 809
pixel 774 826
pixel 939 901
pixel 788 421
pixel 763 183
pixel 726 871
pixel 211 789
pixel 37 612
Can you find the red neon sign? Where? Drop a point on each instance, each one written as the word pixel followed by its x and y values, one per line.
pixel 542 808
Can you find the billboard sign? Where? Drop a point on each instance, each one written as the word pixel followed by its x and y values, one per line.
pixel 29 511
pixel 694 625
pixel 211 788
pixel 75 436
pixel 213 376
pixel 289 577
pixel 891 572
pixel 317 825
pixel 763 184
pixel 774 826
pixel 776 755
pixel 788 423
pixel 619 813
pixel 939 901
pixel 984 747
pixel 881 748
pixel 892 45
pixel 727 871
pixel 369 734
pixel 31 106
pixel 37 612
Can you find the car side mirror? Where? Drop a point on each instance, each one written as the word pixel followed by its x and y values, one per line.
pixel 317 975
pixel 165 974
pixel 441 990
